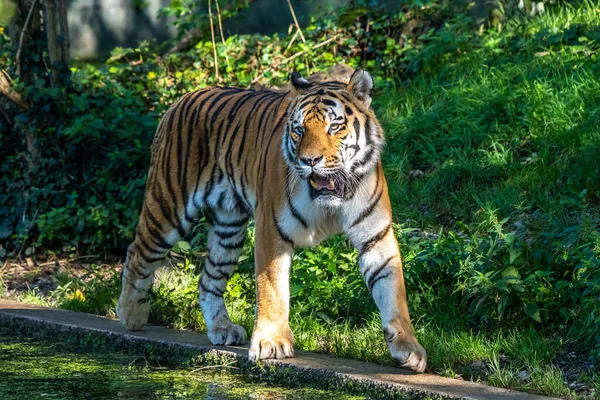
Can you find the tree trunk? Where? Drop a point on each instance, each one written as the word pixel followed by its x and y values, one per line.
pixel 25 32
pixel 57 32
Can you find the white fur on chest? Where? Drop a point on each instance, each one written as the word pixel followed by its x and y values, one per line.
pixel 304 222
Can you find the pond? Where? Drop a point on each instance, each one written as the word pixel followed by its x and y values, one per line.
pixel 44 369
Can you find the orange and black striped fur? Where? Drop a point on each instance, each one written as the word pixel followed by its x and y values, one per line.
pixel 304 164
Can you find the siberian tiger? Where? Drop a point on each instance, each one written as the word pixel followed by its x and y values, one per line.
pixel 305 164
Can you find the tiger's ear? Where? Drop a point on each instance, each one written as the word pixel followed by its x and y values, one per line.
pixel 299 83
pixel 361 86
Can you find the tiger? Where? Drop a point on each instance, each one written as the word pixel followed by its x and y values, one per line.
pixel 304 164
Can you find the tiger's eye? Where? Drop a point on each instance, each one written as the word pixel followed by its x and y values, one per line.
pixel 334 127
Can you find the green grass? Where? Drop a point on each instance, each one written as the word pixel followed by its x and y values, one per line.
pixel 499 231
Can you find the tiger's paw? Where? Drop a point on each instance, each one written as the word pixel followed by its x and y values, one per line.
pixel 264 345
pixel 409 353
pixel 132 314
pixel 228 335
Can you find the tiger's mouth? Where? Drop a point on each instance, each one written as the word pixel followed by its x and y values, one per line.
pixel 321 185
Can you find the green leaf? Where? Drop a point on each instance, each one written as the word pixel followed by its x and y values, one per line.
pixel 533 311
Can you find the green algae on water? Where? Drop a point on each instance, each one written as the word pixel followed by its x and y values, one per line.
pixel 34 369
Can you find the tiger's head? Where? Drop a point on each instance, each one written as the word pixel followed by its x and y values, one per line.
pixel 332 138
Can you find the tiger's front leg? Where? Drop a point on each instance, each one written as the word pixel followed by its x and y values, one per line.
pixel 272 337
pixel 370 230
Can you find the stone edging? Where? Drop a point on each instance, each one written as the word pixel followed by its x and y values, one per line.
pixel 317 370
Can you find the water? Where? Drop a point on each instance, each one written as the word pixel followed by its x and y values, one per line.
pixel 32 369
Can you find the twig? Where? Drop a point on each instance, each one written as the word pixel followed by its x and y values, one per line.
pixel 298 54
pixel 291 41
pixel 27 233
pixel 287 60
pixel 23 31
pixel 222 36
pixel 295 20
pixel 215 366
pixel 212 34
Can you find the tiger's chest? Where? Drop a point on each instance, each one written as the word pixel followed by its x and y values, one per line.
pixel 306 224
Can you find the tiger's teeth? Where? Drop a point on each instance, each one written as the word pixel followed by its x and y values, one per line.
pixel 331 184
pixel 314 184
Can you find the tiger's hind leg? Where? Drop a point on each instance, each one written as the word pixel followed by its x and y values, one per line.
pixel 226 234
pixel 147 253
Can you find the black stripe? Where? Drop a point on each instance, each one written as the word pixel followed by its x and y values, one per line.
pixel 148 259
pixel 240 103
pixel 219 277
pixel 133 286
pixel 368 245
pixel 202 162
pixel 273 131
pixel 234 245
pixel 368 211
pixel 244 195
pixel 363 161
pixel 241 146
pixel 368 132
pixel 372 283
pixel 156 235
pixel 180 122
pixel 226 235
pixel 282 234
pixel 328 102
pixel 348 110
pixel 295 213
pixel 357 127
pixel 207 290
pixel 209 109
pixel 211 184
pixel 377 271
pixel 184 183
pixel 157 238
pixel 166 212
pixel 229 152
pixel 218 264
pixel 221 201
pixel 262 118
pixel 237 223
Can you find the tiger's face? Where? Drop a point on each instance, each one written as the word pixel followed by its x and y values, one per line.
pixel 332 139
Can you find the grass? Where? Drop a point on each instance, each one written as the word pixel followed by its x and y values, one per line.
pixel 492 162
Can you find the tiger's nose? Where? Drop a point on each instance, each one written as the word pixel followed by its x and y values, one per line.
pixel 311 161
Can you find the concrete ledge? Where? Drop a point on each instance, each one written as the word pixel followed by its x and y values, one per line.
pixel 306 368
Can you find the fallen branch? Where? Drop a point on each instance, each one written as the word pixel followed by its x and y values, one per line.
pixel 6 90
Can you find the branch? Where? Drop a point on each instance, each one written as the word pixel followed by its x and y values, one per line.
pixel 296 21
pixel 191 37
pixel 222 36
pixel 23 31
pixel 212 35
pixel 298 54
pixel 6 90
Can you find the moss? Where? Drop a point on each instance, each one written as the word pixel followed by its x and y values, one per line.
pixel 38 368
